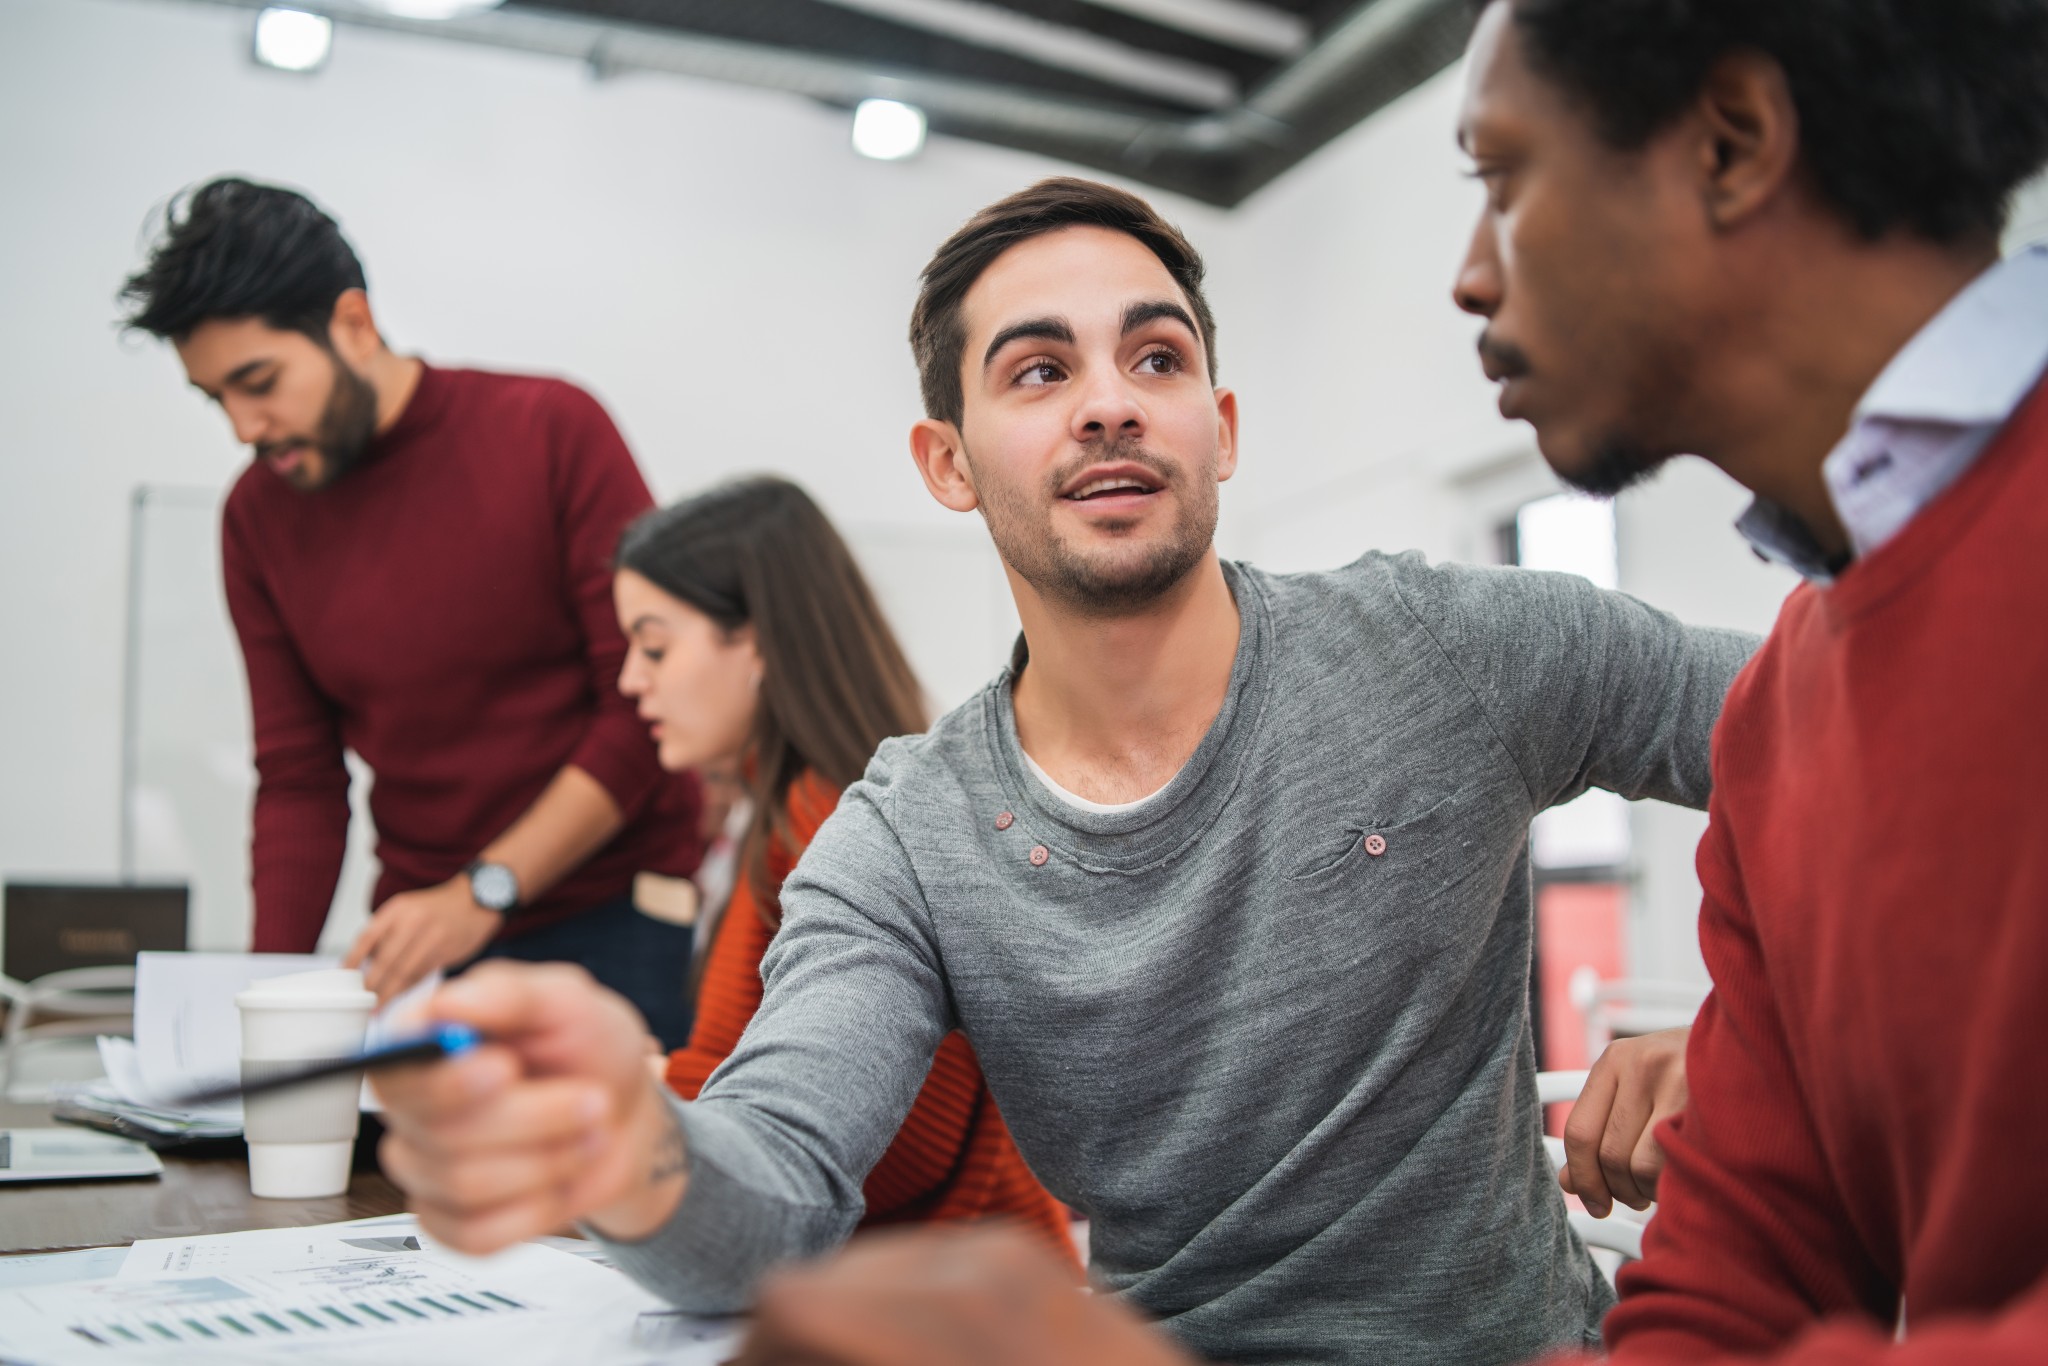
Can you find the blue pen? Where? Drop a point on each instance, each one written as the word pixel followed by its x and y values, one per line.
pixel 442 1041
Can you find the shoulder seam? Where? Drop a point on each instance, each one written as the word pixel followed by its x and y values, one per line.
pixel 1401 595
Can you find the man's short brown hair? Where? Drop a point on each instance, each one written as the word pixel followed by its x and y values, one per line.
pixel 938 334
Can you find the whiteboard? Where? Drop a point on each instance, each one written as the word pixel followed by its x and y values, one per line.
pixel 189 771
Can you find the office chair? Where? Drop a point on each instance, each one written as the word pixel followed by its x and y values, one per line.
pixel 1625 1007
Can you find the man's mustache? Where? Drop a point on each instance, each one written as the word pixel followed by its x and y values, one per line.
pixel 1501 360
pixel 1121 450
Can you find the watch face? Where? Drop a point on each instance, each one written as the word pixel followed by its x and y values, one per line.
pixel 493 886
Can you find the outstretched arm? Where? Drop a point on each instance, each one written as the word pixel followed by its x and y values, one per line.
pixel 789 1126
pixel 1583 687
pixel 558 1117
pixel 553 1118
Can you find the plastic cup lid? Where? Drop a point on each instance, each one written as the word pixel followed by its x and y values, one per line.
pixel 326 989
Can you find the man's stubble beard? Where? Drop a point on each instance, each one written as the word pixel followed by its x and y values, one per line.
pixel 1023 535
pixel 348 424
pixel 1631 450
pixel 1617 464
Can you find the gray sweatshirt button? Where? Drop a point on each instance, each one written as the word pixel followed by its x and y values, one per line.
pixel 1039 854
pixel 1005 821
pixel 1375 845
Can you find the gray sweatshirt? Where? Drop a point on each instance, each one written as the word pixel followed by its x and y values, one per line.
pixel 1270 1032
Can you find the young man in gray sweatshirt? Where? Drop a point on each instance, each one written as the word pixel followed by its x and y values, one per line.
pixel 1226 880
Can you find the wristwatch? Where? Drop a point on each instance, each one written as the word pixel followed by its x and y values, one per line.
pixel 494 887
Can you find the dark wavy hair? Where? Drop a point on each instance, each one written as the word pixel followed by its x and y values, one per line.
pixel 938 333
pixel 1924 115
pixel 235 249
pixel 834 681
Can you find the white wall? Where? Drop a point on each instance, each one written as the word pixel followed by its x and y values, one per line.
pixel 719 267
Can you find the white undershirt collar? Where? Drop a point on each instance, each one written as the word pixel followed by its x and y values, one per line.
pixel 1080 803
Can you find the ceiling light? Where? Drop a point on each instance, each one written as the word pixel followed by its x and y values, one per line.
pixel 293 40
pixel 887 130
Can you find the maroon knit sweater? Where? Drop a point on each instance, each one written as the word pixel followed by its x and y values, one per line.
pixel 1869 1116
pixel 444 610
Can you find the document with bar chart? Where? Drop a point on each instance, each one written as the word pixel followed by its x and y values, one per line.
pixel 338 1294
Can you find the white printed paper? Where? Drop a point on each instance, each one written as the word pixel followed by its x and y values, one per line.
pixel 370 1291
pixel 188 1033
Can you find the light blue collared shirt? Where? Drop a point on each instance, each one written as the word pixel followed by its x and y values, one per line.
pixel 1928 417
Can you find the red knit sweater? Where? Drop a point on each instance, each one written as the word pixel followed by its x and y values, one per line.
pixel 444 610
pixel 1869 1113
pixel 954 1158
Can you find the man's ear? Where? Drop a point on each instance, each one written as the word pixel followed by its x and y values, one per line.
pixel 1750 136
pixel 941 458
pixel 352 329
pixel 1226 434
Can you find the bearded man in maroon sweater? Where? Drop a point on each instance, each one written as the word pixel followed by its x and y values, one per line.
pixel 1765 232
pixel 418 568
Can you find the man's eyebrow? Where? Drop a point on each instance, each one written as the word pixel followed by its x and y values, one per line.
pixel 236 376
pixel 1040 329
pixel 242 372
pixel 1137 315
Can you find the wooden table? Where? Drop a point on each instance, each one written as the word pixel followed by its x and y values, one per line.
pixel 194 1195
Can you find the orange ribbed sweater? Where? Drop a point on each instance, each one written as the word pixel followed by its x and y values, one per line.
pixel 954 1158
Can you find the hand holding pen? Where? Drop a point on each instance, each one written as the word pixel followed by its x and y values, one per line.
pixel 441 1041
pixel 550 1118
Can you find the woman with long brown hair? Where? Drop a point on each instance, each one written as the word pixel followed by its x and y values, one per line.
pixel 757 648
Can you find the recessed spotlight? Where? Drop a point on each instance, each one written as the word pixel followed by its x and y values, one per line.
pixel 888 130
pixel 293 40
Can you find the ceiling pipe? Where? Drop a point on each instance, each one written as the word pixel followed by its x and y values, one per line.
pixel 1242 24
pixel 1017 34
pixel 1383 49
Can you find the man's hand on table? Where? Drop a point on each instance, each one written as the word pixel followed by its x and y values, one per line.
pixel 414 933
pixel 1610 1153
pixel 946 1297
pixel 553 1118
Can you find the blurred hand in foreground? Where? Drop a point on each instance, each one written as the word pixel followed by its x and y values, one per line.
pixel 986 1296
pixel 553 1118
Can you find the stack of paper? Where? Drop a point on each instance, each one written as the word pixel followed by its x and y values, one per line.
pixel 123 1099
pixel 188 1034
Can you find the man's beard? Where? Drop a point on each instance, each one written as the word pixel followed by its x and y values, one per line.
pixel 347 425
pixel 1616 464
pixel 1104 585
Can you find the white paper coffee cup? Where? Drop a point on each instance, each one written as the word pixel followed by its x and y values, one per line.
pixel 301 1139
